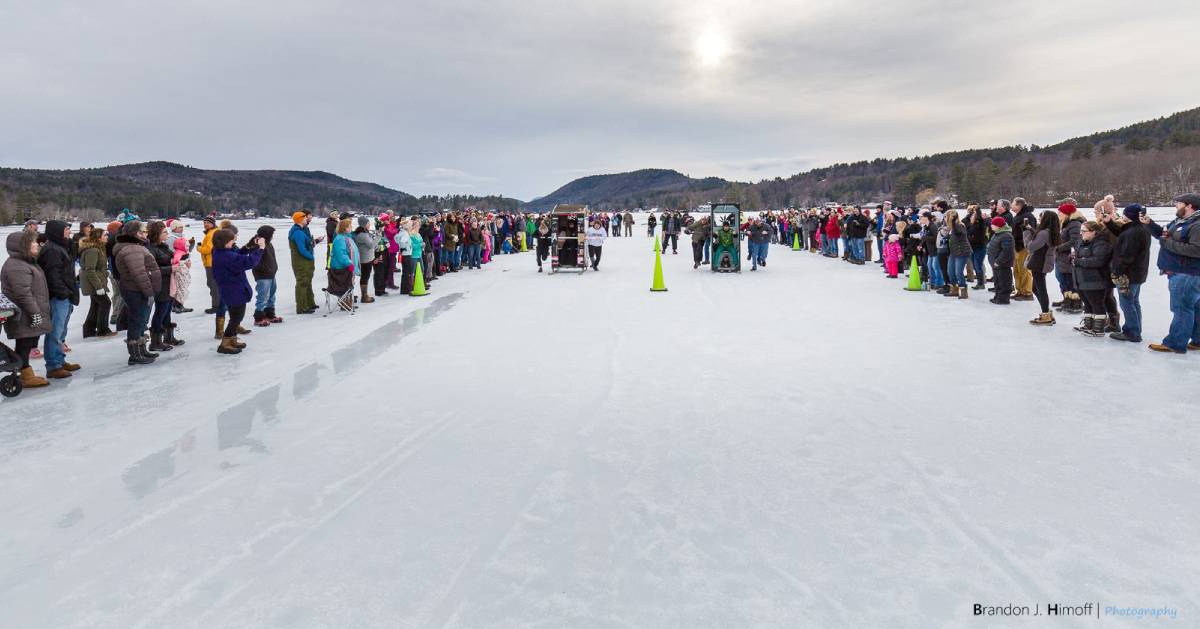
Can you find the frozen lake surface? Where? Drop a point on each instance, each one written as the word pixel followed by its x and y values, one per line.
pixel 803 446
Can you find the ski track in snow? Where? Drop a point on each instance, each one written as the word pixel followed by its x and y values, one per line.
pixel 743 450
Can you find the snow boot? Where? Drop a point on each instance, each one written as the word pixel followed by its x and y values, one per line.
pixel 272 317
pixel 1114 323
pixel 170 335
pixel 227 346
pixel 1121 336
pixel 366 299
pixel 236 342
pixel 1098 326
pixel 58 374
pixel 142 346
pixel 963 293
pixel 157 344
pixel 951 291
pixel 1085 325
pixel 242 330
pixel 979 286
pixel 1075 306
pixel 30 380
pixel 220 334
pixel 1045 318
pixel 135 353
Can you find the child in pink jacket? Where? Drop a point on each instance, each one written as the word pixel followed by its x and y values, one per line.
pixel 892 253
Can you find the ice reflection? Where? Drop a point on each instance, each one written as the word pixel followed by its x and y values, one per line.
pixel 357 354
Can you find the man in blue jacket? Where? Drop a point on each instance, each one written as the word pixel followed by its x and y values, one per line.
pixel 1179 260
pixel 301 244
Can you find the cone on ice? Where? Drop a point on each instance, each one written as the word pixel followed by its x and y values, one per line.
pixel 658 286
pixel 418 289
pixel 796 241
pixel 521 237
pixel 914 276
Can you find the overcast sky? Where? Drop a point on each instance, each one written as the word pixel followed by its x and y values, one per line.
pixel 519 97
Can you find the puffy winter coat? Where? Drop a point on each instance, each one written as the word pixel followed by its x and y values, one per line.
pixel 1001 249
pixel 451 236
pixel 832 229
pixel 24 283
pixel 93 267
pixel 366 243
pixel 1092 263
pixel 229 272
pixel 58 263
pixel 960 243
pixel 206 248
pixel 700 230
pixel 1070 238
pixel 1131 256
pixel 977 233
pixel 162 257
pixel 857 226
pixel 136 266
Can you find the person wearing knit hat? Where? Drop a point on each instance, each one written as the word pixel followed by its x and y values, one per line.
pixel 205 248
pixel 366 241
pixel 1130 268
pixel 1179 260
pixel 302 246
pixel 1064 271
pixel 1001 251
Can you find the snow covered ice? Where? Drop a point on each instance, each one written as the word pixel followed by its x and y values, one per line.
pixel 806 445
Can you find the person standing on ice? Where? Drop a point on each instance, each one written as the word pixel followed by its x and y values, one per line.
pixel 140 281
pixel 301 244
pixel 23 283
pixel 1023 220
pixel 1041 243
pixel 759 241
pixel 1130 268
pixel 1001 252
pixel 628 220
pixel 1179 260
pixel 331 224
pixel 651 223
pixel 1092 273
pixel 229 269
pixel 366 241
pixel 701 231
pixel 595 236
pixel 58 264
pixel 1071 221
pixel 892 255
pixel 264 280
pixel 205 249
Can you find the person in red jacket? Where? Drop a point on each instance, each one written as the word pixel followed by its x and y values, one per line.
pixel 833 232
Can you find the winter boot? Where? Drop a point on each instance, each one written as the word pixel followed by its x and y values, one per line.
pixel 142 342
pixel 1099 324
pixel 58 373
pixel 236 342
pixel 271 316
pixel 227 346
pixel 979 286
pixel 963 293
pixel 1045 318
pixel 242 330
pixel 135 353
pixel 30 380
pixel 1075 305
pixel 1085 325
pixel 220 334
pixel 259 320
pixel 951 291
pixel 1114 323
pixel 157 344
pixel 366 299
pixel 170 336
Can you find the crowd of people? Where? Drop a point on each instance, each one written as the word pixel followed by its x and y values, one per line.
pixel 137 274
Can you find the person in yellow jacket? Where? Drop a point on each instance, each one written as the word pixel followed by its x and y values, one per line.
pixel 206 250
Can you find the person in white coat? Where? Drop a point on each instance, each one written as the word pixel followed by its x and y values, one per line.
pixel 594 236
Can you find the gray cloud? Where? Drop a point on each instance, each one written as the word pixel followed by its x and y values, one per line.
pixel 517 97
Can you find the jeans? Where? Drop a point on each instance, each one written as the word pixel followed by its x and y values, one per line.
pixel 1066 281
pixel 758 252
pixel 473 255
pixel 264 295
pixel 858 248
pixel 977 258
pixel 1185 311
pixel 162 316
pixel 137 309
pixel 707 248
pixel 958 270
pixel 1131 306
pixel 60 315
pixel 935 272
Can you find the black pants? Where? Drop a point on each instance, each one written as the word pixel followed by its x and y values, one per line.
pixel 96 321
pixel 23 347
pixel 1110 303
pixel 1094 299
pixel 407 269
pixel 212 287
pixel 673 239
pixel 1003 276
pixel 161 318
pixel 943 261
pixel 364 277
pixel 1039 291
pixel 594 256
pixel 391 273
pixel 234 319
pixel 543 254
pixel 698 251
pixel 383 277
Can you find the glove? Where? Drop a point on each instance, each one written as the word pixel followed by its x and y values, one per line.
pixel 36 320
pixel 100 292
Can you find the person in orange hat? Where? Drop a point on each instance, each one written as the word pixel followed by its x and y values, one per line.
pixel 302 245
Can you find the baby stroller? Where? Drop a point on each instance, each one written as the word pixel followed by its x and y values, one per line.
pixel 10 385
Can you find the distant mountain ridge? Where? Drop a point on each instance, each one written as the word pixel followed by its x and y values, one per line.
pixel 628 188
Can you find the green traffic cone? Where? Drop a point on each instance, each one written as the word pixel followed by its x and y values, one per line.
pixel 796 241
pixel 914 277
pixel 658 286
pixel 419 283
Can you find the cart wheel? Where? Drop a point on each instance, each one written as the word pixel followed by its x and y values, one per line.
pixel 10 386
